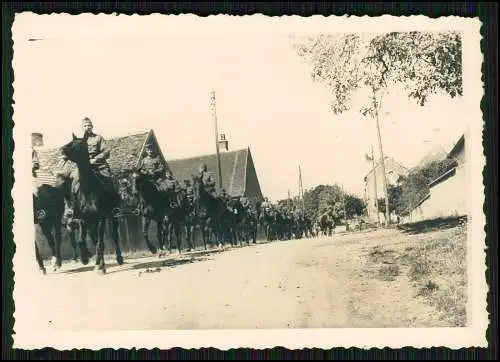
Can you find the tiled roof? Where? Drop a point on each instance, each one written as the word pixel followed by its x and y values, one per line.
pixel 390 164
pixel 233 168
pixel 125 153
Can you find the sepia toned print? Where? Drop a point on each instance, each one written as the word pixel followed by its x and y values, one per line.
pixel 248 182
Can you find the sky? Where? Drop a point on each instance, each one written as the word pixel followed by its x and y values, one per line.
pixel 132 80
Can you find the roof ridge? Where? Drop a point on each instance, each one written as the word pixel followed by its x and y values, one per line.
pixel 206 155
pixel 235 163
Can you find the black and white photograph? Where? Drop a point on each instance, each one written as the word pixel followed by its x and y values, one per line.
pixel 248 182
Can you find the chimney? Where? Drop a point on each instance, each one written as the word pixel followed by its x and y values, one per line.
pixel 223 143
pixel 36 139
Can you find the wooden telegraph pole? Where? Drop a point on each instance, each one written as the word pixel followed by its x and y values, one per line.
pixel 375 184
pixel 382 164
pixel 301 191
pixel 214 115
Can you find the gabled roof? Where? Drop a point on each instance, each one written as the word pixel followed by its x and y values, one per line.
pixel 457 147
pixel 234 166
pixel 126 152
pixel 391 164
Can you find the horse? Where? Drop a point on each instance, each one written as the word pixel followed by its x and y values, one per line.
pixel 93 201
pixel 153 206
pixel 174 218
pixel 326 224
pixel 208 212
pixel 268 222
pixel 48 205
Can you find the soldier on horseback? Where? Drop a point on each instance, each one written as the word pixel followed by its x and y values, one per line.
pixel 99 154
pixel 266 205
pixel 152 167
pixel 207 180
pixel 188 190
pixel 245 203
pixel 172 188
pixel 226 199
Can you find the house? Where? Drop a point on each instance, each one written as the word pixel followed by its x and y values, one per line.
pixel 447 196
pixel 239 177
pixel 126 153
pixel 374 184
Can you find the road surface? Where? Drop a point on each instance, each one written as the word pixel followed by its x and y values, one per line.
pixel 320 282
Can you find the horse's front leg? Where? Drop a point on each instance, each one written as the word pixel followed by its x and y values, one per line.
pixel 39 259
pixel 145 229
pixel 161 232
pixel 97 233
pixel 47 232
pixel 115 237
pixel 58 240
pixel 84 253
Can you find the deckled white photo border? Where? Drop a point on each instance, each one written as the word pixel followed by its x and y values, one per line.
pixel 29 335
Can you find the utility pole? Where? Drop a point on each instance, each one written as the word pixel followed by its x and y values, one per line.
pixel 382 163
pixel 214 114
pixel 343 201
pixel 375 182
pixel 301 191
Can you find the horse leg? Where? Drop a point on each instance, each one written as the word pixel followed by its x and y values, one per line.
pixel 177 229
pixel 161 231
pixel 94 232
pixel 47 232
pixel 145 228
pixel 191 235
pixel 58 240
pixel 84 252
pixel 39 259
pixel 115 237
pixel 72 240
pixel 205 232
pixel 98 234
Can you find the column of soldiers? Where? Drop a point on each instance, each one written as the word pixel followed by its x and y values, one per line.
pixel 151 166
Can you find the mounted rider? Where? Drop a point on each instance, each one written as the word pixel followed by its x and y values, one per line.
pixel 99 154
pixel 188 190
pixel 152 167
pixel 226 199
pixel 245 203
pixel 207 180
pixel 266 205
pixel 172 188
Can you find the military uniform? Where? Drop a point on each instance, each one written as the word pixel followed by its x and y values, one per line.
pixel 99 153
pixel 154 168
pixel 245 203
pixel 172 188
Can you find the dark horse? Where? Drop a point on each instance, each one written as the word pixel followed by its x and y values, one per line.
pixel 92 201
pixel 153 206
pixel 48 207
pixel 208 211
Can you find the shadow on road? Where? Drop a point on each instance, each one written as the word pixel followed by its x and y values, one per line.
pixel 432 225
pixel 161 262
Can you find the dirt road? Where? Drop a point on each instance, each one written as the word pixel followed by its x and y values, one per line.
pixel 322 282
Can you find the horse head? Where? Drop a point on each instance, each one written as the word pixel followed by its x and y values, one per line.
pixel 76 150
